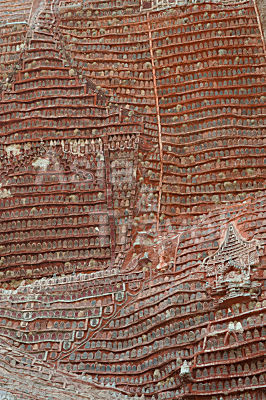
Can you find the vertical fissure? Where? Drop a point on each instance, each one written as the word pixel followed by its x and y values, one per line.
pixel 158 123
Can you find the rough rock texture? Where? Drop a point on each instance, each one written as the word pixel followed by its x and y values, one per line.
pixel 261 4
pixel 24 377
pixel 132 202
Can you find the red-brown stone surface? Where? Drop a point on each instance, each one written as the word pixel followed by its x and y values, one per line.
pixel 132 222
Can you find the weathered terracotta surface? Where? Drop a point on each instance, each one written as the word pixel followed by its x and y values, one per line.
pixel 132 220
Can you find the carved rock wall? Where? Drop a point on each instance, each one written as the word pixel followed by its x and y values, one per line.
pixel 132 205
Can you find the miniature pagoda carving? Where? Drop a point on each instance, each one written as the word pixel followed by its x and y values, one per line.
pixel 230 265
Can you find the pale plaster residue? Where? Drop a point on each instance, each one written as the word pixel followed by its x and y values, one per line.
pixel 4 193
pixel 41 163
pixel 14 149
